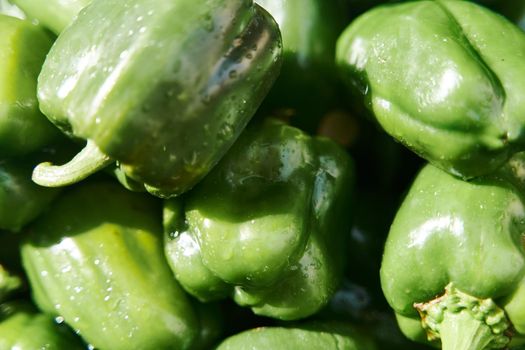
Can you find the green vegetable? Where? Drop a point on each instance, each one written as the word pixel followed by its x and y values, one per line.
pixel 309 30
pixel 162 87
pixel 96 260
pixel 442 77
pixel 454 264
pixel 23 129
pixel 53 14
pixel 23 328
pixel 312 335
pixel 267 226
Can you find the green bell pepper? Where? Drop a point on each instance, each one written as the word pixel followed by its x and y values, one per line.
pixel 309 31
pixel 453 267
pixel 164 100
pixel 311 335
pixel 442 77
pixel 52 14
pixel 22 327
pixel 96 260
pixel 267 226
pixel 23 129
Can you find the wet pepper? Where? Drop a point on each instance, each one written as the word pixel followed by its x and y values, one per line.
pixel 22 327
pixel 267 226
pixel 161 87
pixel 443 77
pixel 453 267
pixel 96 260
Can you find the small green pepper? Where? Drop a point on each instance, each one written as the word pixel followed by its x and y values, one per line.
pixel 96 260
pixel 267 226
pixel 442 77
pixel 453 267
pixel 52 14
pixel 311 335
pixel 23 129
pixel 22 327
pixel 162 87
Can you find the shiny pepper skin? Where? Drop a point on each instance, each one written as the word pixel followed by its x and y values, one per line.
pixel 268 226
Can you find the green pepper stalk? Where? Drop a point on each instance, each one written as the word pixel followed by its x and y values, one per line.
pixel 268 226
pixel 312 335
pixel 163 100
pixel 9 9
pixel 52 14
pixel 445 78
pixel 23 128
pixel 96 260
pixel 22 327
pixel 453 267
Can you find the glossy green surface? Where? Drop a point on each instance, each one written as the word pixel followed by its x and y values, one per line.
pixel 21 200
pixel 95 259
pixel 442 77
pixel 313 335
pixel 466 233
pixel 22 327
pixel 53 14
pixel 267 226
pixel 162 87
pixel 23 129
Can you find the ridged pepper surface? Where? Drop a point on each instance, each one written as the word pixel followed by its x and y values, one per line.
pixel 445 78
pixel 453 268
pixel 268 226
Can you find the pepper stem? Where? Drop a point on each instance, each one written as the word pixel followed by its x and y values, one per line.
pixel 464 322
pixel 460 331
pixel 88 161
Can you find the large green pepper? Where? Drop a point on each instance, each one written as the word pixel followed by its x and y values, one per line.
pixel 53 14
pixel 442 77
pixel 267 226
pixel 24 328
pixel 453 267
pixel 96 260
pixel 162 87
pixel 312 335
pixel 23 47
pixel 307 87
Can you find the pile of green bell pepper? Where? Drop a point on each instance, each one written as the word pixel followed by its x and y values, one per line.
pixel 262 174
